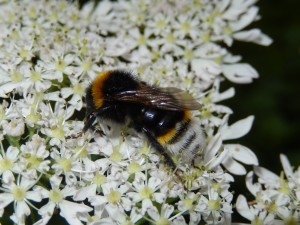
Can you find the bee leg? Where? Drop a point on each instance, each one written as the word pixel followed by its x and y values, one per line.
pixel 90 120
pixel 91 117
pixel 159 148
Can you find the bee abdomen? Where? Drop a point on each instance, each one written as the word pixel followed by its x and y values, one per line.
pixel 180 132
pixel 188 140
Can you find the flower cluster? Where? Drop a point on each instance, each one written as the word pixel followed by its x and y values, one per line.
pixel 50 51
pixel 277 198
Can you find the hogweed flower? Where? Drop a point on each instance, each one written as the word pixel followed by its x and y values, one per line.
pixel 276 197
pixel 50 51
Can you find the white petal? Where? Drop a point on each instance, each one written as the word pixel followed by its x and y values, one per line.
pixel 17 220
pixel 239 73
pixel 238 129
pixel 230 59
pixel 154 182
pixel 8 177
pixel 47 209
pixel 213 147
pixel 87 9
pixel 243 208
pixel 233 166
pixel 27 183
pixel 66 92
pixel 282 200
pixel 253 188
pixel 159 197
pixel 135 215
pixel 44 221
pixel 286 166
pixel 224 95
pixel 242 154
pixel 146 204
pixel 205 69
pixel 97 200
pixel 69 59
pixel 217 160
pixel 68 190
pixel 35 195
pixel 166 210
pixel 209 50
pixel 6 88
pixel 247 18
pixel 76 101
pixel 55 181
pixel 5 199
pixel 69 210
pixel 22 209
pixel 116 213
pixel 12 152
pixel 53 96
pixel 265 176
pixel 85 192
pixel 255 36
pixel 103 8
pixel 153 213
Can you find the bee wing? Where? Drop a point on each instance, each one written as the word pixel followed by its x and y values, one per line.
pixel 163 98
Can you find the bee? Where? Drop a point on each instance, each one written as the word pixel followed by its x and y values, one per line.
pixel 162 115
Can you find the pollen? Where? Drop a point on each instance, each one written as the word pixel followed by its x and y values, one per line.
pixel 114 197
pixel 5 164
pixel 66 164
pixel 213 204
pixel 55 195
pixel 97 88
pixel 99 179
pixel 146 192
pixel 19 193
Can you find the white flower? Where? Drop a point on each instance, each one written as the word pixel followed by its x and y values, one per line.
pixel 68 210
pixel 238 15
pixel 239 73
pixel 34 156
pixel 14 128
pixel 113 194
pixel 54 120
pixel 65 160
pixel 12 78
pixel 20 193
pixel 158 23
pixel 30 109
pixel 146 191
pixel 59 65
pixel 254 35
pixel 236 151
pixel 163 216
pixel 76 91
pixel 186 26
pixel 213 208
pixel 8 163
pixel 39 80
pixel 276 197
pixel 120 217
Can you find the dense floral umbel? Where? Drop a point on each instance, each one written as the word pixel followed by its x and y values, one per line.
pixel 277 198
pixel 50 51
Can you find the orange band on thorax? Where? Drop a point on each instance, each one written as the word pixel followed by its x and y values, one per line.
pixel 97 88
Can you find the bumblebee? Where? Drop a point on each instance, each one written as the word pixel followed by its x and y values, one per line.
pixel 162 115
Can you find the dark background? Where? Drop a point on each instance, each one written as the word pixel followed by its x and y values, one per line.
pixel 273 98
